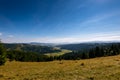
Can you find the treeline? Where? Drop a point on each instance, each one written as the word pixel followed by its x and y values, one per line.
pixel 29 56
pixel 99 51
pixel 110 50
pixel 82 46
pixel 25 52
pixel 26 56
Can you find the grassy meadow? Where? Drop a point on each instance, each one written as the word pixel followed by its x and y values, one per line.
pixel 104 68
pixel 63 51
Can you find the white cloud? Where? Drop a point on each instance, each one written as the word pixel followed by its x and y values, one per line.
pixel 84 38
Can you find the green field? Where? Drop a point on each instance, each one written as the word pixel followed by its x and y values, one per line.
pixel 104 68
pixel 63 51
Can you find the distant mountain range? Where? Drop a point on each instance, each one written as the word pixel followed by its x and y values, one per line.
pixel 56 44
pixel 86 45
pixel 43 44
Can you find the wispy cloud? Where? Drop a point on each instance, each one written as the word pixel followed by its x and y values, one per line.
pixel 10 36
pixel 85 38
pixel 99 18
pixel 100 1
pixel 0 34
pixel 113 36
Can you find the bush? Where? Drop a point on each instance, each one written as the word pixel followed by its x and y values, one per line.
pixel 2 60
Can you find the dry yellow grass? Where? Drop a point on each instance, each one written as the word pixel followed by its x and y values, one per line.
pixel 105 68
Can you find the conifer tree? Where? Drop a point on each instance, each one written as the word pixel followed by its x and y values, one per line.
pixel 2 54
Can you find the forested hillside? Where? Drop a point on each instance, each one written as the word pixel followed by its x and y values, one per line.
pixel 31 48
pixel 83 46
pixel 35 53
pixel 99 51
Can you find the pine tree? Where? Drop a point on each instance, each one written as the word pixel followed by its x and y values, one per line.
pixel 2 54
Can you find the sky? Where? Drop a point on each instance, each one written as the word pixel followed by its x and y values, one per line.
pixel 59 21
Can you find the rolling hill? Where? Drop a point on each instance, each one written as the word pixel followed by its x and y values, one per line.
pixel 31 48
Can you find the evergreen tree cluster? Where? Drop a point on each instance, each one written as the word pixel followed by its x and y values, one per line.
pixel 98 51
pixel 26 56
pixel 110 50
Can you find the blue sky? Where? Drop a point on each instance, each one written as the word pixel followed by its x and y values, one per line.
pixel 59 21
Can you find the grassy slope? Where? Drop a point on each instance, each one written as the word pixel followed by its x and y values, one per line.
pixel 105 68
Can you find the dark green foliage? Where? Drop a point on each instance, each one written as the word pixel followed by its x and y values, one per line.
pixel 92 53
pixel 98 51
pixel 2 54
pixel 27 56
pixel 82 46
pixel 29 53
pixel 38 49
